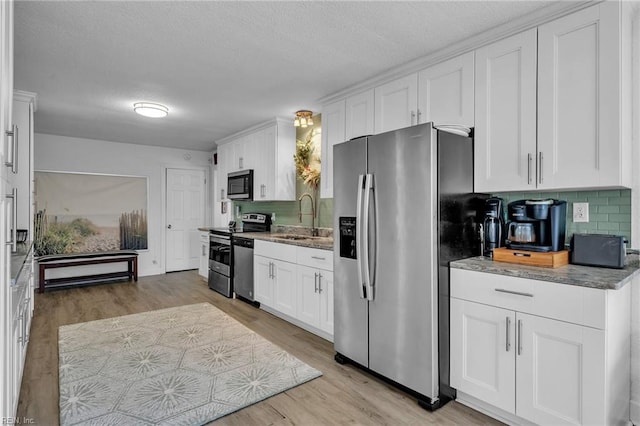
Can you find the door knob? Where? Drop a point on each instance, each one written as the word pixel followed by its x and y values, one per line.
pixel 168 226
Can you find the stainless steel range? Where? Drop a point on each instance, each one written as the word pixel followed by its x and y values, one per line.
pixel 221 257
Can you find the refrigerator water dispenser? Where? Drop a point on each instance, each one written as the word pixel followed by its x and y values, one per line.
pixel 348 237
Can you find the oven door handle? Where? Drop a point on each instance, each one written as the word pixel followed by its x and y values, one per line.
pixel 220 240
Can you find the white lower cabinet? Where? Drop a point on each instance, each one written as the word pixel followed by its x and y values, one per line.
pixel 482 353
pixel 284 287
pixel 21 309
pixel 559 372
pixel 517 365
pixel 263 281
pixel 315 297
pixel 296 283
pixel 275 284
pixel 203 269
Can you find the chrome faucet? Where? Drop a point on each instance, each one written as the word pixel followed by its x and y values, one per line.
pixel 314 231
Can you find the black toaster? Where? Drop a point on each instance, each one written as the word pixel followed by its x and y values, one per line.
pixel 607 251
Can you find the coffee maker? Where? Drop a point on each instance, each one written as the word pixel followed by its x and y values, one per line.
pixel 537 225
pixel 493 225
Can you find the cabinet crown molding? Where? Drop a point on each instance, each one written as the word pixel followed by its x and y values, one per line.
pixel 508 29
pixel 279 121
pixel 24 96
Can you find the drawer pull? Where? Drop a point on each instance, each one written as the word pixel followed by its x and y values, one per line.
pixel 318 258
pixel 517 293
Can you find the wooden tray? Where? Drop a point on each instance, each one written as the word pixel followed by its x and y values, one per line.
pixel 552 259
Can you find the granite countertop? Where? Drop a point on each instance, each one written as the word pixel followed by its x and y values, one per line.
pixel 323 243
pixel 18 258
pixel 282 234
pixel 585 276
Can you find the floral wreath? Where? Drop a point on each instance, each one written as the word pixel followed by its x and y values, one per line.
pixel 307 162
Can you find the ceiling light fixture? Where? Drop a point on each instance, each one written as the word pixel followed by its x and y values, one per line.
pixel 303 119
pixel 149 109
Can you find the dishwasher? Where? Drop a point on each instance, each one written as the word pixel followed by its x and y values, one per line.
pixel 243 269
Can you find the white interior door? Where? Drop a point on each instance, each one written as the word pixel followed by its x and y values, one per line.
pixel 184 213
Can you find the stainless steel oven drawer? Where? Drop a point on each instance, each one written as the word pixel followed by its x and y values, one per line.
pixel 220 283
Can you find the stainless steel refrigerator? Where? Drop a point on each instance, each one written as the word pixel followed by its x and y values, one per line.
pixel 403 208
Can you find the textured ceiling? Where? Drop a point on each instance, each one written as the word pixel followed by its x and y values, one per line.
pixel 220 66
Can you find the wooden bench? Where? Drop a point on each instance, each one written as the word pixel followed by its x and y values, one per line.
pixel 83 259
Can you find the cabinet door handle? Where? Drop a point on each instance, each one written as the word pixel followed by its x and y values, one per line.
pixel 320 283
pixel 270 273
pixel 419 115
pixel 26 313
pixel 529 159
pixel 507 334
pixel 222 194
pixel 315 282
pixel 413 116
pixel 203 250
pixel 13 242
pixel 240 162
pixel 540 179
pixel 318 258
pixel 13 134
pixel 263 190
pixel 21 334
pixel 519 337
pixel 517 293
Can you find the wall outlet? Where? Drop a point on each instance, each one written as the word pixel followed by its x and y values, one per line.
pixel 581 212
pixel 273 217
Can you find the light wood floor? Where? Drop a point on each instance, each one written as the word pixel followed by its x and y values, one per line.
pixel 343 395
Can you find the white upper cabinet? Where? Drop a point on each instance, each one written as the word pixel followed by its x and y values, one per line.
pixel 445 92
pixel 396 104
pixel 575 132
pixel 505 128
pixel 24 104
pixel 268 149
pixel 274 167
pixel 333 132
pixel 442 93
pixel 583 135
pixel 359 115
pixel 225 161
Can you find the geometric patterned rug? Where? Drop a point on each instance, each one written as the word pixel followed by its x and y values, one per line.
pixel 187 365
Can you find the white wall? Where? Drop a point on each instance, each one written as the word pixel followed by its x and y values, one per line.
pixel 65 154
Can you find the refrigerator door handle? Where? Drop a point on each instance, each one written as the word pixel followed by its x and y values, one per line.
pixel 359 240
pixel 368 187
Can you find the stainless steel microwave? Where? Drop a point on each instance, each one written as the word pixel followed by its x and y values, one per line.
pixel 240 185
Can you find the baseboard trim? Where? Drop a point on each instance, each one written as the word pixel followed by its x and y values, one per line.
pixel 298 323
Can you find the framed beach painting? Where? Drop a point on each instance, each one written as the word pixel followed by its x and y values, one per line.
pixel 82 212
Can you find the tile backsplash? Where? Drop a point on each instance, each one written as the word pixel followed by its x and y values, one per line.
pixel 609 210
pixel 286 212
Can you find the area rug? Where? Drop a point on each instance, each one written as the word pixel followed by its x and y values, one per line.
pixel 179 366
